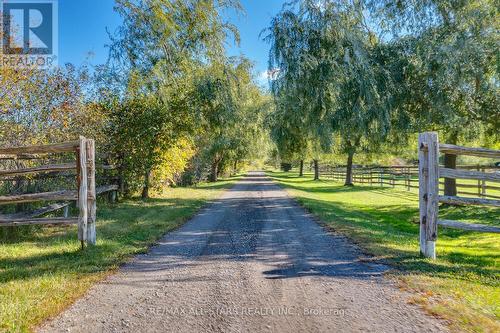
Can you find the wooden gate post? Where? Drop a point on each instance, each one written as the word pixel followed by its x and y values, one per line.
pixel 91 205
pixel 428 157
pixel 82 190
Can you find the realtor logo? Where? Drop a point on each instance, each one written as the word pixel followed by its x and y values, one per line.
pixel 29 33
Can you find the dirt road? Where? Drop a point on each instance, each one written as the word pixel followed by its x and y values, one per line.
pixel 251 262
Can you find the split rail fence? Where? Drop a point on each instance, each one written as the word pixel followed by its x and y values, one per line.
pixel 429 174
pixel 406 177
pixel 85 196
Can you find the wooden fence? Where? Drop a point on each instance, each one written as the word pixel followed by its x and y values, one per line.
pixel 429 174
pixel 85 195
pixel 407 177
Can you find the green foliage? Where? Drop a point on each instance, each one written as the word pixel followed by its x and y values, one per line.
pixel 143 129
pixel 330 80
pixel 232 109
pixel 179 86
pixel 46 106
pixel 365 76
pixel 446 54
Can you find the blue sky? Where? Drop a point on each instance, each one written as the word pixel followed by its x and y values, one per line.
pixel 83 24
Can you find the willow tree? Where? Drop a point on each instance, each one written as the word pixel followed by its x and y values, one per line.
pixel 301 124
pixel 231 107
pixel 158 53
pixel 448 54
pixel 328 66
pixel 288 133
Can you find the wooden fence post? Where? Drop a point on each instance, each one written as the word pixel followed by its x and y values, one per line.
pixel 428 192
pixel 91 204
pixel 478 183
pixel 483 184
pixel 82 191
pixel 408 179
pixel 432 196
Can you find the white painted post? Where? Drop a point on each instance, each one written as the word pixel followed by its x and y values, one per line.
pixel 91 205
pixel 82 190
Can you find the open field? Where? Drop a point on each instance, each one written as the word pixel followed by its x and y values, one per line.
pixel 462 285
pixel 43 271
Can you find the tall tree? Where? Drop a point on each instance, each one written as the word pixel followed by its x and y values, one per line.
pixel 327 66
pixel 159 52
pixel 448 52
pixel 231 105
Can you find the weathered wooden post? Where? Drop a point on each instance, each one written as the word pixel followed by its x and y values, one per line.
pixel 483 184
pixel 478 183
pixel 91 203
pixel 428 157
pixel 408 179
pixel 82 190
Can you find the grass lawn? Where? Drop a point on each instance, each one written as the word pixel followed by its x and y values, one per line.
pixel 462 285
pixel 43 270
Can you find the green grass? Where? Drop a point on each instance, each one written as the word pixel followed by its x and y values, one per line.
pixel 43 270
pixel 462 285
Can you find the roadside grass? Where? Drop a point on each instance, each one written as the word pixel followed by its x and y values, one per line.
pixel 43 270
pixel 461 286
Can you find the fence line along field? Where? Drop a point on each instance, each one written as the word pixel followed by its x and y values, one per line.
pixel 406 176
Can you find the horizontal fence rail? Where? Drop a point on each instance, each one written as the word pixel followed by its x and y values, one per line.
pixel 407 177
pixel 64 147
pixel 39 169
pixel 41 221
pixel 468 226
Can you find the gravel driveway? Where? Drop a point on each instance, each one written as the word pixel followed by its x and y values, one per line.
pixel 253 261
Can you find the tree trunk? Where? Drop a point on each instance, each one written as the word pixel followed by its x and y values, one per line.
pixel 301 170
pixel 214 171
pixel 450 184
pixel 145 187
pixel 316 170
pixel 450 161
pixel 235 169
pixel 348 176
